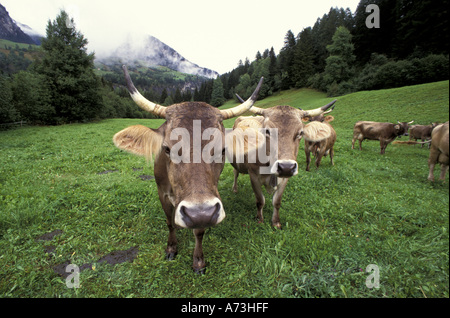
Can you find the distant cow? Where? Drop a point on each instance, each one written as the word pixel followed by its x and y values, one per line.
pixel 439 151
pixel 286 122
pixel 384 132
pixel 188 188
pixel 323 147
pixel 421 132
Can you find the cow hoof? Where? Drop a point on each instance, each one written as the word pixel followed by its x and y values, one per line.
pixel 170 256
pixel 201 271
pixel 258 220
pixel 277 225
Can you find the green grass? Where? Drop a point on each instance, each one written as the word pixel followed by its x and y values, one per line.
pixel 367 209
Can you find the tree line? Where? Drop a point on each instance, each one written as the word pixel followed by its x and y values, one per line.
pixel 341 54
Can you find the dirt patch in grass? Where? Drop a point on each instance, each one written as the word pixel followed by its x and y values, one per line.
pixel 145 177
pixel 113 258
pixel 107 171
pixel 49 236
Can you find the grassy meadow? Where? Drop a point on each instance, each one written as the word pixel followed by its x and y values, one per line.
pixel 366 209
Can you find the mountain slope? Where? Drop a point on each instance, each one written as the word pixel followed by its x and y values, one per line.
pixel 150 52
pixel 9 30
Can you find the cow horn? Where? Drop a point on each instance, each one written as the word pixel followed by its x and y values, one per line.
pixel 318 111
pixel 245 106
pixel 140 100
pixel 254 109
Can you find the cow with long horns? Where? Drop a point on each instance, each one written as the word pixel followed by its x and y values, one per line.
pixel 187 162
pixel 286 124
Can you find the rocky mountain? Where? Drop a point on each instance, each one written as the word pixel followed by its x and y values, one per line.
pixel 150 52
pixel 9 30
pixel 33 34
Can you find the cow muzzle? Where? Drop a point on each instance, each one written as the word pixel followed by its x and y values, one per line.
pixel 199 215
pixel 284 168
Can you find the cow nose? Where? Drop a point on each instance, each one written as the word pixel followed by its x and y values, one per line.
pixel 287 168
pixel 201 215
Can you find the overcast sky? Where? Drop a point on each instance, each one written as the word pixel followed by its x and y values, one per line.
pixel 212 34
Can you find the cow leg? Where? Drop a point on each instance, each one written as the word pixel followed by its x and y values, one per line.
pixel 383 145
pixel 430 173
pixel 319 159
pixel 443 160
pixel 236 175
pixel 353 140
pixel 276 201
pixel 332 155
pixel 198 260
pixel 360 143
pixel 171 250
pixel 308 158
pixel 434 155
pixel 444 169
pixel 260 200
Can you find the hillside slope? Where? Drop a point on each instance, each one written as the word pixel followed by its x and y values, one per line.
pixel 423 103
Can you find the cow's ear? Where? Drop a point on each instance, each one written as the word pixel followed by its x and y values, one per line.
pixel 139 140
pixel 306 119
pixel 329 118
pixel 316 131
pixel 397 127
pixel 243 142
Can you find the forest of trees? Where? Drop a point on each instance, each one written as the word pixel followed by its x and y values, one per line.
pixel 339 54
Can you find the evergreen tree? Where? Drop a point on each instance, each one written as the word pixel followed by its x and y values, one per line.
pixel 68 69
pixel 32 97
pixel 244 85
pixel 339 65
pixel 272 69
pixel 163 97
pixel 286 60
pixel 177 98
pixel 303 66
pixel 217 98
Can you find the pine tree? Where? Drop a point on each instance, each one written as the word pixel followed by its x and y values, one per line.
pixel 303 66
pixel 217 98
pixel 68 69
pixel 339 65
pixel 286 60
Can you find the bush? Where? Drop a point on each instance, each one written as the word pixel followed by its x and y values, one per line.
pixel 32 97
pixel 381 74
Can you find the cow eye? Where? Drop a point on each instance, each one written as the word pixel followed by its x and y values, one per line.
pixel 167 150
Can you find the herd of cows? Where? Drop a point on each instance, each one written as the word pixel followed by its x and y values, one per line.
pixel 188 190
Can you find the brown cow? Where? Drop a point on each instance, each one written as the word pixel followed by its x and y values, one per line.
pixel 283 128
pixel 323 147
pixel 421 132
pixel 384 132
pixel 439 151
pixel 187 187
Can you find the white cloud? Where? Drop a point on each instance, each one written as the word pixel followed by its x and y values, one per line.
pixel 212 34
